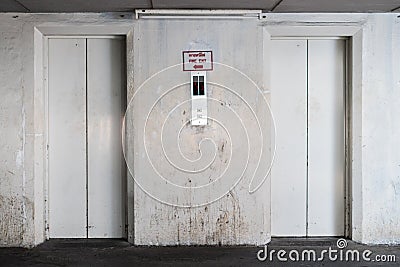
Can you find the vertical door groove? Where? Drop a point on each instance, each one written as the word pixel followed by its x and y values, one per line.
pixel 307 141
pixel 87 140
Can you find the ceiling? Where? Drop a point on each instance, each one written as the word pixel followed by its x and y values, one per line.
pixel 279 6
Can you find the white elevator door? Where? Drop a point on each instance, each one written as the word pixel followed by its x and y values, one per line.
pixel 307 100
pixel 86 170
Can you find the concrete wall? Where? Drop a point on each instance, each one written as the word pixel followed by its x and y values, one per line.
pixel 381 131
pixel 15 205
pixel 238 217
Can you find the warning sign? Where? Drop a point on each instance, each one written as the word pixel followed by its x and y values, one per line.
pixel 197 60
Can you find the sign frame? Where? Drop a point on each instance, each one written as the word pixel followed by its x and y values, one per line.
pixel 194 68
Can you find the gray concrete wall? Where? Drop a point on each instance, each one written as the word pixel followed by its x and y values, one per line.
pixel 22 127
pixel 381 131
pixel 238 217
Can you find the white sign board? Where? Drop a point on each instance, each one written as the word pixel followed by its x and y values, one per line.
pixel 197 60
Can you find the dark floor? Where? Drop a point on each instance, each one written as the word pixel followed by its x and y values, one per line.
pixel 98 252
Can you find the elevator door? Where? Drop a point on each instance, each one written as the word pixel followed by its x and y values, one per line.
pixel 86 171
pixel 307 99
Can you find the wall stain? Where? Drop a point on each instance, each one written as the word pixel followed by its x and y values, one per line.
pixel 12 228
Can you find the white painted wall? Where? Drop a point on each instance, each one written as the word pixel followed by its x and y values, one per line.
pixel 376 105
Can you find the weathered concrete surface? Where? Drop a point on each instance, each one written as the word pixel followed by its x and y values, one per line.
pixel 22 136
pixel 237 217
pixel 120 253
pixel 22 131
pixel 14 204
pixel 381 131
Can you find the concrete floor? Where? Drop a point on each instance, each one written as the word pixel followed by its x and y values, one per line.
pixel 100 252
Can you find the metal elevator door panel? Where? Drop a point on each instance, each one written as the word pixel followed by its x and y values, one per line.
pixel 67 137
pixel 106 197
pixel 289 104
pixel 307 99
pixel 326 183
pixel 86 166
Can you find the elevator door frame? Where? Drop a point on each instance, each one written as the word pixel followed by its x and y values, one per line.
pixel 124 93
pixel 352 35
pixel 346 103
pixel 123 105
pixel 41 36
